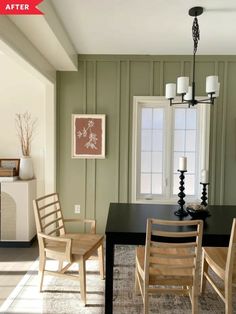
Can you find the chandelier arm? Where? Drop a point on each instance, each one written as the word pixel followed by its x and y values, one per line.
pixel 178 103
pixel 190 103
pixel 206 101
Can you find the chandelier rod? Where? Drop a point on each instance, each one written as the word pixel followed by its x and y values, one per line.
pixel 196 11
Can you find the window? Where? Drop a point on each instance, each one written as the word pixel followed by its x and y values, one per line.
pixel 162 134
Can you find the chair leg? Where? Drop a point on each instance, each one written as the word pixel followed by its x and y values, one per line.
pixel 204 270
pixel 228 298
pixel 42 262
pixel 82 277
pixel 194 300
pixel 101 260
pixel 136 284
pixel 146 302
pixel 60 265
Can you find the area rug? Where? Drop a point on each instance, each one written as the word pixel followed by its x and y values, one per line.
pixel 62 296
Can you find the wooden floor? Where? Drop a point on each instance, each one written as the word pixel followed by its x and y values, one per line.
pixel 14 264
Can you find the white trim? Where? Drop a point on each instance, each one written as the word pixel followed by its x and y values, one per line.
pixel 203 145
pixel 50 139
pixel 134 149
pixel 204 140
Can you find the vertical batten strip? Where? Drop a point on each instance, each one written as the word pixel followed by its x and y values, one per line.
pixel 151 78
pixel 223 134
pixel 129 197
pixel 124 130
pixel 162 92
pixel 119 127
pixel 85 160
pixel 85 88
pixel 95 163
pixel 213 155
pixel 58 130
pixel 182 66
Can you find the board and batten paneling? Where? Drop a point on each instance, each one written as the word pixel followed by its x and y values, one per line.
pixel 106 84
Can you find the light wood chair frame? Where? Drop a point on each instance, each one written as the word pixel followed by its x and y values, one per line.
pixel 55 243
pixel 223 263
pixel 169 267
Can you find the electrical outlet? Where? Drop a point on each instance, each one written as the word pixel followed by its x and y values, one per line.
pixel 77 209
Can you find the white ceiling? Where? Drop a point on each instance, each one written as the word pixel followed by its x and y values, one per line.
pixel 147 26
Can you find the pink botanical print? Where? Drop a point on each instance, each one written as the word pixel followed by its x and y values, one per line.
pixel 88 133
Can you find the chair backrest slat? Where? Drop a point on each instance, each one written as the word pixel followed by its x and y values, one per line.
pixel 51 213
pixel 179 252
pixel 55 230
pixel 46 197
pixel 49 204
pixel 174 234
pixel 168 266
pixel 174 245
pixel 55 221
pixel 172 256
pixel 48 215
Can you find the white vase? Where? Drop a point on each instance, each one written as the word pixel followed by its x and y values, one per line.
pixel 26 171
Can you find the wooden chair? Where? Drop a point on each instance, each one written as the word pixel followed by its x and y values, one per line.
pixel 169 266
pixel 55 243
pixel 222 261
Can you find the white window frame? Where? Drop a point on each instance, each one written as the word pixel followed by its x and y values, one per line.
pixel 204 141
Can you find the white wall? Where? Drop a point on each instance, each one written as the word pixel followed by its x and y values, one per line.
pixel 20 91
pixel 15 42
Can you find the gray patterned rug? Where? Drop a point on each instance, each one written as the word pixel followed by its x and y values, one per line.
pixel 62 296
pixel 125 300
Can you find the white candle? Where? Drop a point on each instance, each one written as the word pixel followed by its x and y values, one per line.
pixel 170 90
pixel 183 163
pixel 204 176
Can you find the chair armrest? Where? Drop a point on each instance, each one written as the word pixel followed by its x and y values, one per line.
pixel 54 238
pixel 92 223
pixel 65 251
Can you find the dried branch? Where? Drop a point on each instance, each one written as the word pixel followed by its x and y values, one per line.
pixel 25 126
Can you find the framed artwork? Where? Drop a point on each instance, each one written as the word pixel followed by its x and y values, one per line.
pixel 88 136
pixel 9 167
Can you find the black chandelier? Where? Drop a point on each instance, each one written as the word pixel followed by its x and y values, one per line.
pixel 187 92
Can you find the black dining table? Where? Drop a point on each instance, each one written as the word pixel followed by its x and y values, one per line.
pixel 126 225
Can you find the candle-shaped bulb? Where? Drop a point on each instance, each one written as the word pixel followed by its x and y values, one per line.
pixel 211 84
pixel 182 84
pixel 189 95
pixel 204 176
pixel 183 163
pixel 170 90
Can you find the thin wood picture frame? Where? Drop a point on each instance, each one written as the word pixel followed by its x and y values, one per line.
pixel 88 136
pixel 10 164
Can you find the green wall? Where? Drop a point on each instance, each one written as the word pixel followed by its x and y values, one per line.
pixel 106 84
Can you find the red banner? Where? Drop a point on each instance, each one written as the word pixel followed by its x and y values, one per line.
pixel 19 7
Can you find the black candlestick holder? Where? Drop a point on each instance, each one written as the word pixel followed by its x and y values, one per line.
pixel 181 212
pixel 204 193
